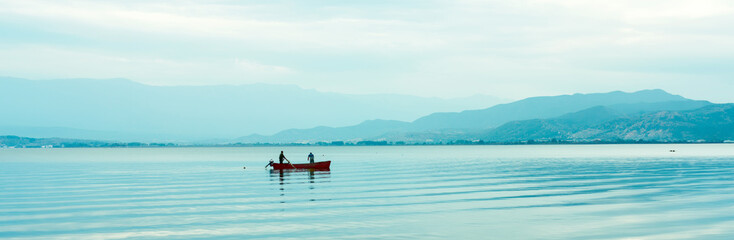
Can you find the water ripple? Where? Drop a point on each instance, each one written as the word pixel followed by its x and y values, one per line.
pixel 401 193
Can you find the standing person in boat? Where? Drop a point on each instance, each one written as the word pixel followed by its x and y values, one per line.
pixel 282 157
pixel 310 157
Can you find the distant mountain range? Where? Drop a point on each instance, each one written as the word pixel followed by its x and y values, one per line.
pixel 122 110
pixel 711 123
pixel 111 112
pixel 648 115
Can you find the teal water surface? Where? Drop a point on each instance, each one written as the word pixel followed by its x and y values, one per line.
pixel 388 192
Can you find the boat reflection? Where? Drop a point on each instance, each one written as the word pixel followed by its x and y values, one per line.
pixel 296 177
pixel 288 176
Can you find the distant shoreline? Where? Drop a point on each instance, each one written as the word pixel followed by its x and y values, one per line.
pixel 15 142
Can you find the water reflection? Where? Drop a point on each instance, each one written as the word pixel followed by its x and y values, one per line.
pixel 296 174
pixel 286 177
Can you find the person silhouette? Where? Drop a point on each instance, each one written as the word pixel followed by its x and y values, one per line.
pixel 282 157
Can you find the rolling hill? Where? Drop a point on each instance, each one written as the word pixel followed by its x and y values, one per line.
pixel 123 110
pixel 530 118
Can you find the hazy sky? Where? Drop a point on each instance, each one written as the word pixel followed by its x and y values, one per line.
pixel 510 49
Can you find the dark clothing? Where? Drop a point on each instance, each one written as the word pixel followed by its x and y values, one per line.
pixel 310 157
pixel 282 157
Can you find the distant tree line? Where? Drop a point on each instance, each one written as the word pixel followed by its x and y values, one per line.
pixel 24 142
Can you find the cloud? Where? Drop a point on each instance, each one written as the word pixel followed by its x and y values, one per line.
pixel 250 66
pixel 36 61
pixel 187 21
pixel 430 48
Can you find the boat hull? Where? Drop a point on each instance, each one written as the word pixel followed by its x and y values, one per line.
pixel 316 165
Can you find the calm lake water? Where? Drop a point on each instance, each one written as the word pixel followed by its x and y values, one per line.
pixel 410 192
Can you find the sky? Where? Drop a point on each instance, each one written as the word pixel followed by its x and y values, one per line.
pixel 455 48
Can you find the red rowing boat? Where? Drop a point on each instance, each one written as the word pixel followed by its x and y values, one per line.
pixel 316 165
